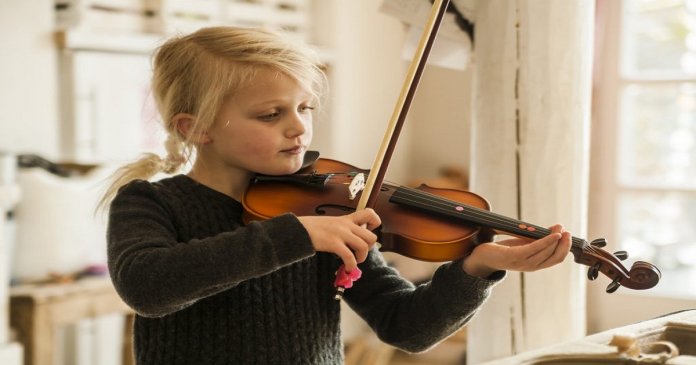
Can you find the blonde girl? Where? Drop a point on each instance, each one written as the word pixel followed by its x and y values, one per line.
pixel 208 289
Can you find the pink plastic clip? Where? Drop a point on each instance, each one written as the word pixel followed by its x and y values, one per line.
pixel 345 280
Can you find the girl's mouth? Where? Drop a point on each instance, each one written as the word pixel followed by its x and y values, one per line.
pixel 294 150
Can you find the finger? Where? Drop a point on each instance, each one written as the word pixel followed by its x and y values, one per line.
pixel 534 247
pixel 358 246
pixel 540 258
pixel 366 216
pixel 561 249
pixel 348 258
pixel 365 235
pixel 557 228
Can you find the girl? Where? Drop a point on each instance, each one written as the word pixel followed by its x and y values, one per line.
pixel 208 289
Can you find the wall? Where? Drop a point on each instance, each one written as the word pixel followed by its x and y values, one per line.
pixel 440 122
pixel 368 45
pixel 365 88
pixel 28 97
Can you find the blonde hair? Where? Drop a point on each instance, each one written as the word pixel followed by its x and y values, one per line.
pixel 195 74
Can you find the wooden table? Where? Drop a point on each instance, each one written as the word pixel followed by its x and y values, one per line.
pixel 36 311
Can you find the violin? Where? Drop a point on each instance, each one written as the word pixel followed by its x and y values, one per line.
pixel 423 223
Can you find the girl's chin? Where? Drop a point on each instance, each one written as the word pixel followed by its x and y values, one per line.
pixel 287 169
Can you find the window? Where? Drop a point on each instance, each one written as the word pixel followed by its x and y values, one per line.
pixel 653 196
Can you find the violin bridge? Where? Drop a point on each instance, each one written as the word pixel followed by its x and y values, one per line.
pixel 356 185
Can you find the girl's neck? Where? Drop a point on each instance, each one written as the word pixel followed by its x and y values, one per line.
pixel 232 184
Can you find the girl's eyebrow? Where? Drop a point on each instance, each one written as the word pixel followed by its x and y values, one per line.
pixel 274 102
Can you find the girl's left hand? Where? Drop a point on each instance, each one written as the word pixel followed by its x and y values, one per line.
pixel 519 254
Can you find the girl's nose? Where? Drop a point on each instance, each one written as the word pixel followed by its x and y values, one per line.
pixel 297 125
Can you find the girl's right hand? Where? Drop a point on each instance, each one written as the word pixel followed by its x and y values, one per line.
pixel 348 236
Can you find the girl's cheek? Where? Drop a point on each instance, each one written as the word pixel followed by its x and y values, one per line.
pixel 256 146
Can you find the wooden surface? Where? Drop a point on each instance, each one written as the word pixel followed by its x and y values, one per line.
pixel 640 343
pixel 36 311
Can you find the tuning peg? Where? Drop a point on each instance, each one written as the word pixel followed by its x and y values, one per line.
pixel 621 255
pixel 593 272
pixel 613 286
pixel 599 242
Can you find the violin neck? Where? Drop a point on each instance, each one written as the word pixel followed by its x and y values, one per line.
pixel 467 214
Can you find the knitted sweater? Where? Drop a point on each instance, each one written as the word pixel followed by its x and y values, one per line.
pixel 208 289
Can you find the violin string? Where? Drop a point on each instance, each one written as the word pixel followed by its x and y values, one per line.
pixel 444 205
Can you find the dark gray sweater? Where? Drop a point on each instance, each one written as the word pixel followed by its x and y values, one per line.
pixel 209 290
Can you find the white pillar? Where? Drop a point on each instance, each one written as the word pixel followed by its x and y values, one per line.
pixel 530 155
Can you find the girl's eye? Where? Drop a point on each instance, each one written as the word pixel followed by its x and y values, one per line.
pixel 270 116
pixel 306 108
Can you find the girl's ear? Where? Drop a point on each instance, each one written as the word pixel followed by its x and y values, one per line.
pixel 184 125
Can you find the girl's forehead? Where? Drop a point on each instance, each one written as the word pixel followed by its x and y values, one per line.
pixel 267 83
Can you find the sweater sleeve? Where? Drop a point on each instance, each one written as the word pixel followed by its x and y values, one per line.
pixel 415 318
pixel 156 274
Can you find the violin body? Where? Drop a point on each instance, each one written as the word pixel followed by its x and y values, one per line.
pixel 423 223
pixel 405 230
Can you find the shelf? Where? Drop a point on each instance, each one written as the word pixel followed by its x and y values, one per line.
pixel 136 43
pixel 139 43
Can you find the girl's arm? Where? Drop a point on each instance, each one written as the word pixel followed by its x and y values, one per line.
pixel 156 274
pixel 415 318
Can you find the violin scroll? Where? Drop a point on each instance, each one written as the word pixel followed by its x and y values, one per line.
pixel 642 275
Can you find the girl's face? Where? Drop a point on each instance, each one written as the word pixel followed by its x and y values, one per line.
pixel 264 127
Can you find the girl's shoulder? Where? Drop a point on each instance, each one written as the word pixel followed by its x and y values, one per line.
pixel 169 194
pixel 177 190
pixel 163 185
pixel 166 189
pixel 144 186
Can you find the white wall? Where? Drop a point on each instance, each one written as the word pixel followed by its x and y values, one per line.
pixel 28 97
pixel 367 82
pixel 440 122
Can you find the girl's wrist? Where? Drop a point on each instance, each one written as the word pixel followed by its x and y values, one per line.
pixel 472 268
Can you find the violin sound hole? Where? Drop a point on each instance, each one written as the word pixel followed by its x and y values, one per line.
pixel 322 209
